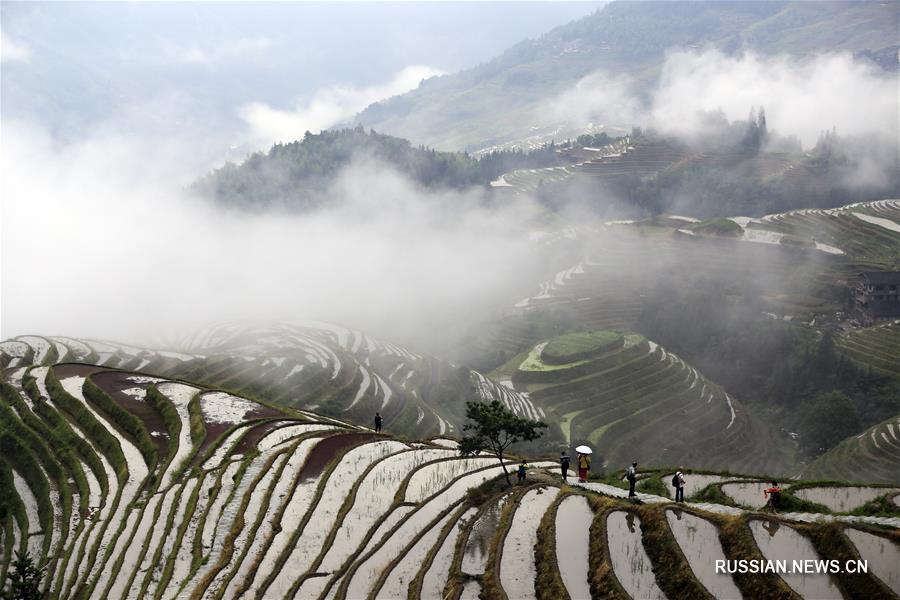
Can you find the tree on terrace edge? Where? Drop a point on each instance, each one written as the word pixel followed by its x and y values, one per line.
pixel 494 428
pixel 24 579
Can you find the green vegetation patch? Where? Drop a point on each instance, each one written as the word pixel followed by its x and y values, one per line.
pixel 718 227
pixel 579 346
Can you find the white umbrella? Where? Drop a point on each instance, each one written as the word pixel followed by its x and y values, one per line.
pixel 584 450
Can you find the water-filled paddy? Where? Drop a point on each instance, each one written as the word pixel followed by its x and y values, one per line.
pixel 842 499
pixel 630 562
pixel 780 542
pixel 692 483
pixel 573 523
pixel 436 577
pixel 883 556
pixel 476 552
pixel 747 494
pixel 517 570
pixel 699 541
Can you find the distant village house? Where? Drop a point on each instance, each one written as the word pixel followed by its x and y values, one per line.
pixel 876 295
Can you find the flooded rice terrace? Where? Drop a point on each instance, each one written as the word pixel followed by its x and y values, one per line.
pixel 517 570
pixel 693 483
pixel 748 494
pixel 699 541
pixel 478 544
pixel 842 499
pixel 436 577
pixel 882 554
pixel 780 542
pixel 630 562
pixel 573 523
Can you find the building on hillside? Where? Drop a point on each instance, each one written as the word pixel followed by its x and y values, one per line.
pixel 876 295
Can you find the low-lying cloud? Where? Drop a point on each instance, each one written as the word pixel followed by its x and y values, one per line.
pixel 326 108
pixel 802 96
pixel 96 241
pixel 237 49
pixel 12 50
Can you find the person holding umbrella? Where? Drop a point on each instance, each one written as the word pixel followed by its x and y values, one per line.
pixel 584 462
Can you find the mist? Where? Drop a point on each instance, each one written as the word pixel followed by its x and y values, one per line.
pixel 97 243
pixel 802 96
pixel 327 107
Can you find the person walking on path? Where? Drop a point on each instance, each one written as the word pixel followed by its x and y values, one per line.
pixel 631 475
pixel 564 465
pixel 584 463
pixel 773 494
pixel 678 483
pixel 378 422
pixel 522 469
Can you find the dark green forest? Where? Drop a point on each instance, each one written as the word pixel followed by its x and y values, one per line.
pixel 299 175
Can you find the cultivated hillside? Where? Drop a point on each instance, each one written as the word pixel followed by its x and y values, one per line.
pixel 123 485
pixel 505 99
pixel 310 366
pixel 630 399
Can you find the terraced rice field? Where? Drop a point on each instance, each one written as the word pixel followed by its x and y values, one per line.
pixel 867 233
pixel 876 347
pixel 693 482
pixel 588 288
pixel 630 562
pixel 882 554
pixel 749 493
pixel 125 485
pixel 334 371
pixel 573 517
pixel 627 396
pixel 781 542
pixel 870 457
pixel 698 539
pixel 842 499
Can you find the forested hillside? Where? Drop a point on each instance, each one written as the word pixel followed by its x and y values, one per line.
pixel 298 175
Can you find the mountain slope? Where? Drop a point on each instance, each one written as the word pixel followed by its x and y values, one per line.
pixel 502 99
pixel 127 486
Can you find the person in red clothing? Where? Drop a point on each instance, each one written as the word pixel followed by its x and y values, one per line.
pixel 773 494
pixel 584 463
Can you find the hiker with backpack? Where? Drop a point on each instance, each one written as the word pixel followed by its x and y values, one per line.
pixel 584 463
pixel 522 469
pixel 773 494
pixel 378 422
pixel 631 475
pixel 564 465
pixel 678 484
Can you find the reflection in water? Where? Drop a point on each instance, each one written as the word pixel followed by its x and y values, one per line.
pixel 883 556
pixel 842 499
pixel 573 523
pixel 781 542
pixel 746 494
pixel 630 562
pixel 476 550
pixel 699 541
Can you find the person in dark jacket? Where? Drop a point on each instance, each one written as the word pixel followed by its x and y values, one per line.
pixel 631 475
pixel 678 482
pixel 378 422
pixel 564 465
pixel 522 469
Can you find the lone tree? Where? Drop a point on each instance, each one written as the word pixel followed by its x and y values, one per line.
pixel 24 579
pixel 493 428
